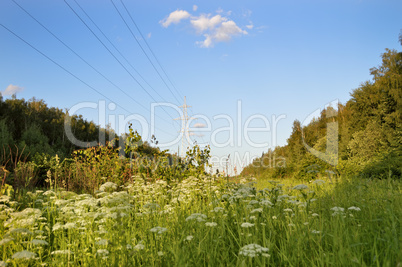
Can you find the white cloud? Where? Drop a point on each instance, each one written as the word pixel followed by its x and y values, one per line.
pixel 149 35
pixel 215 29
pixel 200 125
pixel 205 22
pixel 223 33
pixel 12 89
pixel 175 17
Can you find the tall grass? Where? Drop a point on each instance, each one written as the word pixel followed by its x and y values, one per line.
pixel 203 221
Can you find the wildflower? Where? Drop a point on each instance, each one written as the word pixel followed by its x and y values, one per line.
pixel 300 187
pixel 259 210
pixel 253 218
pixel 288 210
pixel 315 231
pixel 57 226
pixel 197 216
pixel 315 215
pixel 25 254
pixel 337 209
pixel 69 225
pixel 354 208
pixel 102 242
pixel 61 252
pixel 139 246
pixel 319 182
pixel 291 225
pixel 211 224
pixel 266 202
pixel 218 209
pixel 158 230
pixel 3 264
pixel 247 225
pixel 108 186
pixel 189 237
pixel 253 250
pixel 274 217
pixel 102 251
pixel 306 223
pixel 39 242
pixel 5 241
pixel 160 253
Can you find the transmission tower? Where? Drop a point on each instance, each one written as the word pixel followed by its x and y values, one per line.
pixel 184 129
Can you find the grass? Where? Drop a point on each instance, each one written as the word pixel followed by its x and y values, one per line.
pixel 204 221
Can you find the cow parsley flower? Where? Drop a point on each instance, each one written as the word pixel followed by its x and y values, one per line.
pixel 197 216
pixel 103 252
pixel 300 187
pixel 158 230
pixel 25 254
pixel 189 237
pixel 39 242
pixel 354 208
pixel 61 252
pixel 253 250
pixel 247 225
pixel 211 224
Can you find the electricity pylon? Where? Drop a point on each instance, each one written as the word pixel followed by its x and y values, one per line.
pixel 184 129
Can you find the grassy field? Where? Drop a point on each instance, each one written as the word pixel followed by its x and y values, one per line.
pixel 200 222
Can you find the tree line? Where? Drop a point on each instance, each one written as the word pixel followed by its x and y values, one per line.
pixel 368 133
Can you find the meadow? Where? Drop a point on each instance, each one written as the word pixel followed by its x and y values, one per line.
pixel 206 220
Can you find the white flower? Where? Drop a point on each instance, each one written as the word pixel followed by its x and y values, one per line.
pixel 315 231
pixel 211 224
pixel 3 264
pixel 25 254
pixel 102 242
pixel 337 209
pixel 354 208
pixel 315 215
pixel 319 182
pixel 57 226
pixel 259 210
pixel 247 225
pixel 139 246
pixel 197 216
pixel 300 187
pixel 274 217
pixel 108 186
pixel 189 237
pixel 288 210
pixel 39 242
pixel 69 225
pixel 158 230
pixel 102 251
pixel 160 253
pixel 253 250
pixel 5 241
pixel 61 252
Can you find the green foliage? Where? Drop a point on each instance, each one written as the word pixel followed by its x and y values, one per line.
pixel 369 132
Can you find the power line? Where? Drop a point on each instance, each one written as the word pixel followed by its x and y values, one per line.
pixel 66 70
pixel 152 52
pixel 86 62
pixel 68 47
pixel 153 65
pixel 118 51
pixel 132 76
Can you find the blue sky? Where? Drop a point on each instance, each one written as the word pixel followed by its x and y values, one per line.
pixel 277 58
